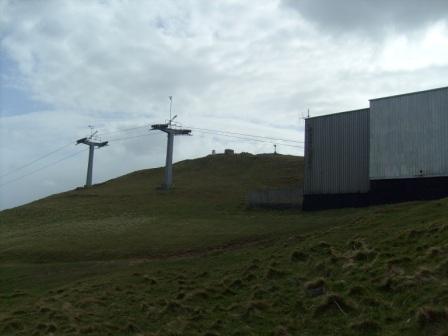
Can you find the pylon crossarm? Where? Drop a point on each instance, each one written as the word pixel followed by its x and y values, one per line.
pixel 101 144
pixel 92 143
pixel 181 131
pixel 83 140
pixel 161 127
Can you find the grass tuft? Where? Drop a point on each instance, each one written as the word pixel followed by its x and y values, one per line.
pixel 149 280
pixel 365 326
pixel 427 316
pixel 236 284
pixel 199 294
pixel 334 303
pixel 356 291
pixel 298 256
pixel 433 252
pixel 131 328
pixel 274 273
pixel 173 307
pixel 315 287
pixel 364 255
pixel 280 331
pixel 356 244
pixel 442 267
pixel 255 307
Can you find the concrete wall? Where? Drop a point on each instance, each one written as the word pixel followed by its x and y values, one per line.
pixel 276 198
pixel 409 135
pixel 337 153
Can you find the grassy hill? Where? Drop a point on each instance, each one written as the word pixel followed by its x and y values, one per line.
pixel 124 258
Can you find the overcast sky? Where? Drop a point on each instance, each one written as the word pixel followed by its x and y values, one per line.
pixel 252 67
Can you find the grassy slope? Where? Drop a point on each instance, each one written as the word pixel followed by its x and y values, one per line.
pixel 69 267
pixel 128 217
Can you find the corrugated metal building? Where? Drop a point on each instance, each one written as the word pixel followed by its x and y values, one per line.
pixel 408 135
pixel 329 139
pixel 394 151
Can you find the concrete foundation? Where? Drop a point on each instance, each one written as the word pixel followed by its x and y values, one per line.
pixel 382 192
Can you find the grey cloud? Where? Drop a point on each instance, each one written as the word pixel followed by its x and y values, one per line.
pixel 371 17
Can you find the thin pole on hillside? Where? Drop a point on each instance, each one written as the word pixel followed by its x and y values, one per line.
pixel 92 144
pixel 171 132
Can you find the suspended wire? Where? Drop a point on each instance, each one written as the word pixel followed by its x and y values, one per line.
pixel 246 135
pixel 36 160
pixel 44 167
pixel 123 130
pixel 248 139
pixel 132 137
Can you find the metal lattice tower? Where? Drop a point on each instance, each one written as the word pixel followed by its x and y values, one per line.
pixel 92 144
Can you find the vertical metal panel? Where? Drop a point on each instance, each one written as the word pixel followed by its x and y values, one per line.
pixel 409 135
pixel 337 153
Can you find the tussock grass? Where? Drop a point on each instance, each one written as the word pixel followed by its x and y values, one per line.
pixel 130 328
pixel 434 251
pixel 315 287
pixel 298 256
pixel 356 244
pixel 258 292
pixel 280 331
pixel 255 308
pixel 357 291
pixel 149 280
pixel 365 326
pixel 363 255
pixel 442 267
pixel 11 327
pixel 173 307
pixel 250 277
pixel 427 316
pixel 275 273
pixel 334 303
pixel 199 294
pixel 236 284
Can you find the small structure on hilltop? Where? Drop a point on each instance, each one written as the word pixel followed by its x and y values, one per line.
pixel 229 151
pixel 395 150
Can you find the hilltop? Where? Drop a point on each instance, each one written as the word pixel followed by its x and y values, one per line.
pixel 124 258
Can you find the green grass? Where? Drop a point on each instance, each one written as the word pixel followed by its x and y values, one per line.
pixel 123 259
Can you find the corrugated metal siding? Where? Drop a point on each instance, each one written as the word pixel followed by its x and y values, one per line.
pixel 337 153
pixel 409 134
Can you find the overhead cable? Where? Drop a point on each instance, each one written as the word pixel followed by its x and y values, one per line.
pixel 36 160
pixel 247 135
pixel 44 167
pixel 131 137
pixel 245 138
pixel 123 130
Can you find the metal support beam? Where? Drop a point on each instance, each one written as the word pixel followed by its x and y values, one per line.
pixel 169 161
pixel 92 145
pixel 90 166
pixel 171 132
